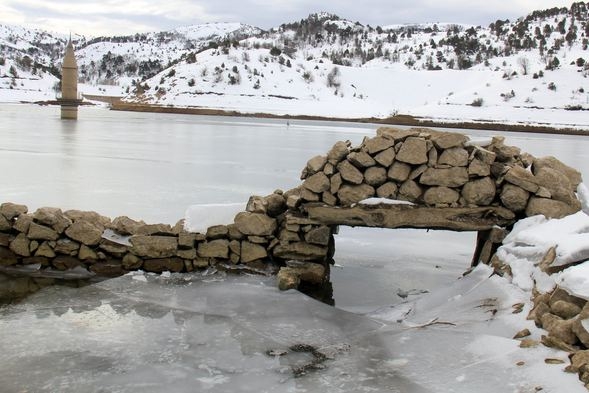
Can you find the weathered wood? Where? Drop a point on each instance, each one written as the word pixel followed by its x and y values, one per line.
pixel 409 216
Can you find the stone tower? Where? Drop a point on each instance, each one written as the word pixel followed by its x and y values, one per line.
pixel 69 84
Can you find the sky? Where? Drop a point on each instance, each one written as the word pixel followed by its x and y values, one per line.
pixel 122 17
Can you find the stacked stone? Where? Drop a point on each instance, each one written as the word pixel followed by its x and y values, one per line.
pixel 561 315
pixel 440 169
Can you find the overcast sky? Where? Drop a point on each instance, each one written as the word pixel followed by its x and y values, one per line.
pixel 120 17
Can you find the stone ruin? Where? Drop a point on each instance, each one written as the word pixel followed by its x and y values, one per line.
pixel 446 180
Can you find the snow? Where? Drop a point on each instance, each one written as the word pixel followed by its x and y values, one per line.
pixel 200 217
pixel 384 201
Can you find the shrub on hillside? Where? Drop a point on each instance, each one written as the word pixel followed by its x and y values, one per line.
pixel 477 102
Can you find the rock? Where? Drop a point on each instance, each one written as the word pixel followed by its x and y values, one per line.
pixel 413 151
pixel 338 152
pixel 561 294
pixel 336 183
pixel 126 226
pixel 528 343
pixel 399 171
pixel 84 232
pixel 329 169
pixel 12 210
pixel 557 184
pixel 415 173
pixel 310 196
pixel 375 176
pixel 350 173
pixel 447 140
pixel 217 232
pixel 329 198
pixel 553 342
pixel 115 249
pixel 480 192
pixel 564 309
pixel 397 134
pixel 110 268
pixel 486 156
pixel 5 225
pixel 580 331
pixel 294 201
pixel 187 253
pixel 572 174
pixel 52 217
pixel 579 359
pixel 378 144
pixel 361 159
pixel 559 328
pixel 300 251
pixel 186 240
pixel 86 253
pixel 252 252
pixel 98 220
pixel 20 245
pixel 256 204
pixel 320 236
pixel 214 249
pixel 514 198
pixel 41 232
pixel 35 261
pixel 45 250
pixel 549 208
pixel 5 239
pixel 386 157
pixel 538 312
pixel 289 236
pixel 153 246
pixel 455 156
pixel 440 196
pixel 504 153
pixel 65 262
pixel 131 262
pixel 159 265
pixel 287 279
pixel 255 224
pixel 22 223
pixel 67 247
pixel 387 190
pixel 478 168
pixel 522 178
pixel 522 333
pixel 154 229
pixel 349 194
pixel 275 204
pixel 317 183
pixel 410 191
pixel 315 165
pixel 7 257
pixel 447 177
pixel 313 273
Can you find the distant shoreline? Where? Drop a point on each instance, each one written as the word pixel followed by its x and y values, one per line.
pixel 400 120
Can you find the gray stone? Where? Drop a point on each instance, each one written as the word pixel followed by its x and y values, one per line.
pixel 235 247
pixel 294 201
pixel 338 152
pixel 386 157
pixel 126 226
pixel 67 247
pixel 523 178
pixel 154 246
pixel 572 174
pixel 251 252
pixel 328 198
pixel 52 217
pixel 84 232
pixel 336 183
pixel 186 240
pixel 329 169
pixel 131 262
pixel 447 140
pixel 317 183
pixel 399 171
pixel 45 250
pixel 289 236
pixel 98 220
pixel 275 204
pixel 396 134
pixel 410 191
pixel 514 198
pixel 504 153
pixel 350 173
pixel 217 232
pixel 113 248
pixel 310 196
pixel 12 210
pixel 22 223
pixel 255 224
pixel 41 232
pixel 455 156
pixel 447 177
pixel 486 156
pixel 86 253
pixel 441 196
pixel 287 279
pixel 478 168
pixel 415 173
pixel 300 251
pixel 315 165
pixel 160 265
pixel 5 225
pixel 388 190
pixel 480 192
pixel 378 144
pixel 375 176
pixel 413 151
pixel 361 159
pixel 349 194
pixel 256 204
pixel 557 184
pixel 549 208
pixel 21 245
pixel 320 236
pixel 214 249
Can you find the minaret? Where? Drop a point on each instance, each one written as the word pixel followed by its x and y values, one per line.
pixel 69 84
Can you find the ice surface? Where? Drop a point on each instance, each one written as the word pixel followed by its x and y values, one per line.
pixel 200 217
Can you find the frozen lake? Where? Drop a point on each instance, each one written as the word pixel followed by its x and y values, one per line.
pixel 135 334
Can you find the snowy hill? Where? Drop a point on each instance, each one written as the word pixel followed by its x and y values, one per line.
pixel 324 65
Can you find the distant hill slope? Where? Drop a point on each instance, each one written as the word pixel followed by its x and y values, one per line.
pixel 329 66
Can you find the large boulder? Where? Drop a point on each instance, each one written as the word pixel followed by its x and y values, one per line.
pixel 214 249
pixel 573 175
pixel 84 232
pixel 447 177
pixel 349 194
pixel 441 196
pixel 480 192
pixel 154 246
pixel 252 252
pixel 378 144
pixel 41 232
pixel 413 151
pixel 318 183
pixel 300 251
pixel 350 173
pixel 455 156
pixel 549 208
pixel 12 210
pixel 52 217
pixel 255 224
pixel 338 152
pixel 514 198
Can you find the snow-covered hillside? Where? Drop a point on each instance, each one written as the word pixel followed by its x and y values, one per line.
pixel 534 69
